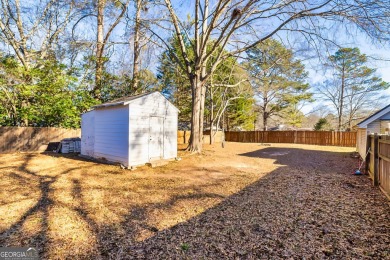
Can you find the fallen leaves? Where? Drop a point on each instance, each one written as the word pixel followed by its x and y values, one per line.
pixel 242 202
pixel 290 213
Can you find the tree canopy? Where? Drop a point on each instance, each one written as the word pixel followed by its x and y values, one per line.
pixel 211 58
pixel 227 84
pixel 278 80
pixel 353 87
pixel 45 95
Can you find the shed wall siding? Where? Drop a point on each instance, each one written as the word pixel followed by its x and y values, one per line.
pixel 374 127
pixel 111 134
pixel 170 137
pixel 140 111
pixel 88 133
pixel 153 104
pixel 138 138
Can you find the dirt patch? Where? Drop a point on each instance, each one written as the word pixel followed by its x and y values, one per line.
pixel 241 201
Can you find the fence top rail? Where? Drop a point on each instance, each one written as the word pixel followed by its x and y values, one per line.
pixel 38 127
pixel 284 131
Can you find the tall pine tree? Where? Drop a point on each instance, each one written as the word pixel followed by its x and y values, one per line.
pixel 277 78
pixel 353 87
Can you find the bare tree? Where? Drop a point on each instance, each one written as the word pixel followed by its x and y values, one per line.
pixel 102 39
pixel 240 25
pixel 32 30
pixel 352 87
pixel 143 46
pixel 221 97
pixel 137 49
pixel 228 84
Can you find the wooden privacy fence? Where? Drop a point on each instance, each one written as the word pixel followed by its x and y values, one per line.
pixel 378 162
pixel 183 137
pixel 29 139
pixel 294 137
pixel 24 139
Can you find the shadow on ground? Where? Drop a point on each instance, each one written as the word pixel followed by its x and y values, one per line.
pixel 311 206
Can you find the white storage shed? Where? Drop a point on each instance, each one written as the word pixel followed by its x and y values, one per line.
pixel 377 123
pixel 132 130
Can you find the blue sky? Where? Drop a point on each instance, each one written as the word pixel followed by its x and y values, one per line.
pixel 350 38
pixel 183 8
pixel 378 57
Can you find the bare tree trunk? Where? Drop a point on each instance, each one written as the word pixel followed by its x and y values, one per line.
pixel 212 119
pixel 212 134
pixel 201 115
pixel 265 121
pixel 25 104
pixel 195 144
pixel 227 123
pixel 341 100
pixel 99 49
pixel 203 74
pixel 137 49
pixel 265 113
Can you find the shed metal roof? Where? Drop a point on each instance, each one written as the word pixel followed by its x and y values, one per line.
pixel 373 117
pixel 126 100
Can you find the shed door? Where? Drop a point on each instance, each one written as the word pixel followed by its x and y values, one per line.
pixel 156 137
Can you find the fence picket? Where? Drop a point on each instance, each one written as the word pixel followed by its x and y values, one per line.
pixel 14 139
pixel 378 162
pixel 297 137
pixel 29 139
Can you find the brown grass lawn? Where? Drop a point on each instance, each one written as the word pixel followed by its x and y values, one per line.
pixel 68 207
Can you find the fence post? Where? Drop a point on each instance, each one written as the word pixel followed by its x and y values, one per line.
pixel 376 160
pixel 368 146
